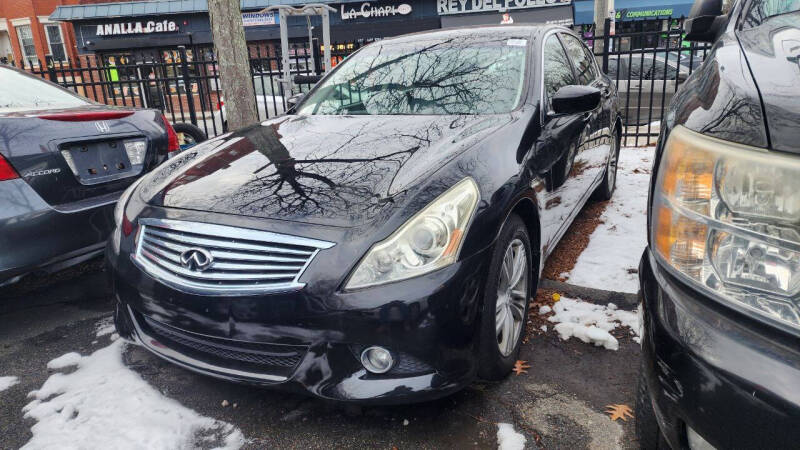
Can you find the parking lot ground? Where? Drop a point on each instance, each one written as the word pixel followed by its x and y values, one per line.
pixel 558 403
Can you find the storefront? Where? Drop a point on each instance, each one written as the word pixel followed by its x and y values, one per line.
pixel 456 13
pixel 634 18
pixel 629 11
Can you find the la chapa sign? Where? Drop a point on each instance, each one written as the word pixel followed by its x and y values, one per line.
pixel 444 7
pixel 118 29
pixel 367 10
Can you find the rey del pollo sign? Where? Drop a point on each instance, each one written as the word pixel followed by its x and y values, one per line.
pixel 118 29
pixel 444 7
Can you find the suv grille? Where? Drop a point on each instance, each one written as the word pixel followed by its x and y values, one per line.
pixel 221 260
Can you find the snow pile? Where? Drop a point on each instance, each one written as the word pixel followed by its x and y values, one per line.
pixel 7 382
pixel 592 323
pixel 103 403
pixel 105 327
pixel 616 245
pixel 508 438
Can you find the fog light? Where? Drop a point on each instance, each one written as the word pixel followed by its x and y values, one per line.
pixel 696 442
pixel 377 359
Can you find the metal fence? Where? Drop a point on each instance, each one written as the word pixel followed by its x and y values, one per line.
pixel 184 82
pixel 646 66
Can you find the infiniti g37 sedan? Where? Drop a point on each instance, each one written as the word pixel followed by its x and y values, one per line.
pixel 381 241
pixel 64 161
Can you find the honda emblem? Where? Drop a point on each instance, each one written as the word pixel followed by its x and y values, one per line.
pixel 102 126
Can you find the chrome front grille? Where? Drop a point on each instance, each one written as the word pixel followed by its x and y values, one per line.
pixel 222 260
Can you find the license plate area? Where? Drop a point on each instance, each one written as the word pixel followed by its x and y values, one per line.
pixel 98 162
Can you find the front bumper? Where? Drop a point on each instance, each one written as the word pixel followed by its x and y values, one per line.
pixel 37 236
pixel 309 341
pixel 733 380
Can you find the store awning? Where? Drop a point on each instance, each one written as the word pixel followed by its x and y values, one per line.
pixel 634 9
pixel 156 8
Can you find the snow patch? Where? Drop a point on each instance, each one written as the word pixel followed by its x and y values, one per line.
pixel 616 245
pixel 105 327
pixel 103 403
pixel 64 361
pixel 508 438
pixel 592 323
pixel 544 309
pixel 7 382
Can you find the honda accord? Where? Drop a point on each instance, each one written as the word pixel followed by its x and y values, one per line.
pixel 64 161
pixel 381 241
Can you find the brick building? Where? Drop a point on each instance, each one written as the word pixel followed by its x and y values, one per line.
pixel 27 34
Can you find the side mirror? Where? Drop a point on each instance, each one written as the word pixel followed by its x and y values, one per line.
pixel 292 101
pixel 705 21
pixel 575 99
pixel 307 79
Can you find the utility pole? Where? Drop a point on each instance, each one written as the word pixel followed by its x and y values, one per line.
pixel 601 11
pixel 233 59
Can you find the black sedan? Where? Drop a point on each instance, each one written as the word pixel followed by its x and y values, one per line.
pixel 721 276
pixel 64 161
pixel 382 240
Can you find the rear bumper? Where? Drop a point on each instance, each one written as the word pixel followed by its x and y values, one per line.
pixel 733 380
pixel 36 236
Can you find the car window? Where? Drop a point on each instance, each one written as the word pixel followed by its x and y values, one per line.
pixel 584 66
pixel 557 70
pixel 761 10
pixel 20 92
pixel 457 75
pixel 657 70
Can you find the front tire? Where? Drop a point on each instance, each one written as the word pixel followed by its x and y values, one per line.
pixel 505 303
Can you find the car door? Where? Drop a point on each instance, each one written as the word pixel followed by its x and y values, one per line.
pixel 590 162
pixel 556 149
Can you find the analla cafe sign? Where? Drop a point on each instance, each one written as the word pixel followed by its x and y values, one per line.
pixel 444 7
pixel 118 29
pixel 368 10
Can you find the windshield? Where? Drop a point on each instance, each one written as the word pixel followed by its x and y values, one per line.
pixel 20 92
pixel 461 75
pixel 761 10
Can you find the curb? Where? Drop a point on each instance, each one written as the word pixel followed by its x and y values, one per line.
pixel 598 296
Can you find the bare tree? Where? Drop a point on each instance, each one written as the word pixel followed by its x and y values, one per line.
pixel 234 62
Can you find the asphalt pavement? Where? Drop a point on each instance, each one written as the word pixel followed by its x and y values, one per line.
pixel 558 403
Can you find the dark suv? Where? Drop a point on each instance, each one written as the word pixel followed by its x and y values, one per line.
pixel 720 278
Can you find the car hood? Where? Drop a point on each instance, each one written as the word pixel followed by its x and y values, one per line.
pixel 773 54
pixel 327 170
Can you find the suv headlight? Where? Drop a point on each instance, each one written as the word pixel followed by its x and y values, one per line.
pixel 727 218
pixel 428 241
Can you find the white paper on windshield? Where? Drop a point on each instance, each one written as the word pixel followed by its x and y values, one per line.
pixel 517 42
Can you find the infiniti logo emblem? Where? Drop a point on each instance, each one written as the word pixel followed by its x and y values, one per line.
pixel 196 259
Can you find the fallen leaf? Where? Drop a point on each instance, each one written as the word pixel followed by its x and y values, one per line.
pixel 521 367
pixel 556 297
pixel 619 412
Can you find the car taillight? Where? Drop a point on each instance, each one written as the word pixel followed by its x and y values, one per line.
pixel 172 137
pixel 7 172
pixel 85 116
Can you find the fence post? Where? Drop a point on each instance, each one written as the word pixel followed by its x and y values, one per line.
pixel 187 85
pixel 606 41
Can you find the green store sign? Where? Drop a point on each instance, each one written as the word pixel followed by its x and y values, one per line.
pixel 641 14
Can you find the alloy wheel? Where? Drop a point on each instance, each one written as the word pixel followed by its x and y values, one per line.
pixel 512 290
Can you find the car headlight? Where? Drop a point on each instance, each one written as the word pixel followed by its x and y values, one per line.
pixel 727 217
pixel 428 241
